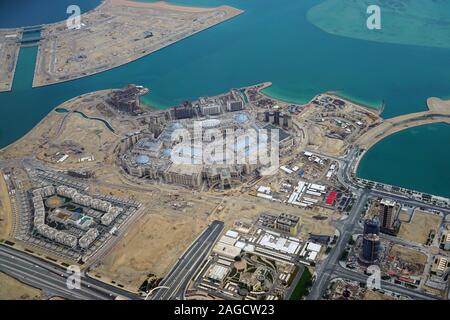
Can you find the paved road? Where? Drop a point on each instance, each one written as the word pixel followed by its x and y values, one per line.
pixel 349 274
pixel 53 279
pixel 294 282
pixel 179 277
pixel 325 270
pixel 408 201
pixel 327 267
pixel 330 268
pixel 50 283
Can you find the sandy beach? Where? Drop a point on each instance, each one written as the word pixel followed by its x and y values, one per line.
pixel 162 5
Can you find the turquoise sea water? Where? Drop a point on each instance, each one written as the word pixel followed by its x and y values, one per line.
pixel 416 157
pixel 413 22
pixel 272 41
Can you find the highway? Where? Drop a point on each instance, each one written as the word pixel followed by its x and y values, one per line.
pixel 53 279
pixel 408 201
pixel 353 275
pixel 330 269
pixel 177 280
pixel 50 283
pixel 327 267
pixel 324 271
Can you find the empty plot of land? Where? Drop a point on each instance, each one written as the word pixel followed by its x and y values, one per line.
pixel 323 144
pixel 420 227
pixel 375 295
pixel 92 136
pixel 408 255
pixel 152 246
pixel 77 135
pixel 404 216
pixel 11 289
pixel 118 32
pixel 249 207
pixel 5 209
pixel 9 52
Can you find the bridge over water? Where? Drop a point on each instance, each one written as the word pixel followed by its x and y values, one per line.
pixel 31 36
pixel 33 28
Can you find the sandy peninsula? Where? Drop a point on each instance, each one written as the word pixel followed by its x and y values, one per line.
pixel 9 53
pixel 438 111
pixel 115 33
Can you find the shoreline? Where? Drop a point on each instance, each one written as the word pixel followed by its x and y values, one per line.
pixel 39 78
pixel 43 25
pixel 435 115
pixel 340 95
pixel 22 29
pixel 49 136
pixel 42 120
pixel 160 4
pixel 361 105
pixel 411 186
pixel 393 125
pixel 5 45
pixel 397 124
pixel 163 5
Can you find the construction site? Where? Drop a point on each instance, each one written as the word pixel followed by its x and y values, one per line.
pixel 336 123
pixel 133 29
pixel 307 184
pixel 256 260
pixel 345 289
pixel 107 144
pixel 215 145
pixel 9 53
pixel 415 259
pixel 163 185
pixel 397 263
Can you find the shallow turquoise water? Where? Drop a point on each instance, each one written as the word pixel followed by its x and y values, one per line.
pixel 273 41
pixel 412 22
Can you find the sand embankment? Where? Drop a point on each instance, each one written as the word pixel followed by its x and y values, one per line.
pixel 439 111
pixel 162 5
pixel 116 33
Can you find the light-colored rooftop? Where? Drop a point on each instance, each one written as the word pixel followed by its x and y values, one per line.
pixel 279 243
pixel 186 169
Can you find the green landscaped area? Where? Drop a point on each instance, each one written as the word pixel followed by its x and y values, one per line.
pixel 303 285
pixel 410 22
